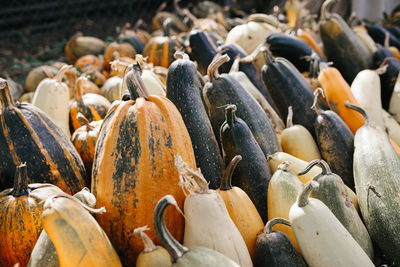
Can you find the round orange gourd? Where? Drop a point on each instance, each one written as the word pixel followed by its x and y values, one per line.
pixel 134 166
pixel 120 49
pixel 79 45
pixel 20 217
pixel 89 61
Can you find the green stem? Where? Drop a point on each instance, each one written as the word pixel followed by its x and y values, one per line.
pixel 135 83
pixel 272 222
pixel 175 249
pixel 360 110
pixel 226 181
pixel 303 198
pixel 326 170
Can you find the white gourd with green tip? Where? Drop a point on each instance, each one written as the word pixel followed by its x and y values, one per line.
pixel 52 97
pixel 322 239
pixel 208 223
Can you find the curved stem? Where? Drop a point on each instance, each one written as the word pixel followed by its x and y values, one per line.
pixel 135 83
pixel 326 170
pixel 260 48
pixel 325 9
pixel 289 119
pixel 212 70
pixel 20 181
pixel 181 55
pixel 264 18
pixel 6 99
pixel 226 181
pixel 235 65
pixel 230 114
pixel 78 88
pixel 284 166
pixel 148 243
pixel 303 200
pixel 315 106
pixel 272 222
pixel 61 73
pixel 175 249
pixel 167 26
pixel 360 110
pixel 84 121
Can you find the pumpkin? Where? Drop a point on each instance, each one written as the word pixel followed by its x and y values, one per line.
pixel 112 88
pixel 133 163
pixel 79 45
pixel 132 36
pixel 322 239
pixel 205 212
pixel 120 49
pixel 181 255
pixel 89 62
pixel 240 208
pixel 84 140
pixel 151 255
pixel 93 106
pixel 52 97
pixel 21 209
pixel 36 75
pixel 28 135
pixel 307 37
pixel 78 239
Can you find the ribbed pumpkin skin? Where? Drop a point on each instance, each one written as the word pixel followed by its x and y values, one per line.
pixel 28 135
pixel 160 50
pixel 134 167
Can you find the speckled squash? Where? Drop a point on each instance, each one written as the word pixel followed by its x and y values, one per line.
pixel 134 166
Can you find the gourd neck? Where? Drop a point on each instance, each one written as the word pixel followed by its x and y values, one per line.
pixel 326 9
pixel 218 61
pixel 230 114
pixel 79 88
pixel 148 243
pixel 6 99
pixel 60 75
pixel 304 195
pixel 284 166
pixel 20 181
pixel 315 105
pixel 84 121
pixel 272 222
pixel 226 181
pixel 135 83
pixel 360 110
pixel 235 65
pixel 175 249
pixel 289 119
pixel 326 170
pixel 181 55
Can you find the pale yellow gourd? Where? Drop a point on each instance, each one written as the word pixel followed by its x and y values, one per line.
pixel 52 97
pixel 297 141
pixel 153 83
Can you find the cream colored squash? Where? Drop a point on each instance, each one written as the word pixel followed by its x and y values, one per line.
pixel 322 239
pixel 52 97
pixel 394 107
pixel 112 88
pixel 153 83
pixel 392 127
pixel 208 223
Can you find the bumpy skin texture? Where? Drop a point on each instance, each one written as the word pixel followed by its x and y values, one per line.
pixel 275 249
pixel 160 50
pixel 28 135
pixel 134 167
pixel 183 90
pixel 336 144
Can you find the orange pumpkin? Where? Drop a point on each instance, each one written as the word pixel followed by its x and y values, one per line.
pixel 134 166
pixel 88 62
pixel 21 217
pixel 115 49
pixel 79 45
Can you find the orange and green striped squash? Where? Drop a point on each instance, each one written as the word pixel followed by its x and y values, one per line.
pixel 160 50
pixel 134 166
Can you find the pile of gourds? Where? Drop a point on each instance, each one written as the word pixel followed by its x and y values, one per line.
pixel 192 116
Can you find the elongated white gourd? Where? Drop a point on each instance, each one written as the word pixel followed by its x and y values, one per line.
pixel 322 239
pixel 208 223
pixel 153 83
pixel 52 97
pixel 366 88
pixel 394 106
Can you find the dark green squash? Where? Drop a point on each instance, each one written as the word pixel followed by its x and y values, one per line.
pixel 252 174
pixel 203 49
pixel 28 135
pixel 335 141
pixel 377 181
pixel 183 91
pixel 341 45
pixel 222 90
pixel 274 249
pixel 332 192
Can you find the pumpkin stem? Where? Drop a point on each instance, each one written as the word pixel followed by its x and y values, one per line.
pixel 148 243
pixel 326 170
pixel 175 249
pixel 78 88
pixel 303 198
pixel 272 222
pixel 226 181
pixel 179 54
pixel 190 179
pixel 230 114
pixel 212 70
pixel 284 166
pixel 86 197
pixel 61 73
pixel 167 26
pixel 360 110
pixel 135 83
pixel 235 65
pixel 289 119
pixel 50 202
pixel 315 106
pixel 264 18
pixel 6 99
pixel 84 121
pixel 250 58
pixel 325 9
pixel 20 181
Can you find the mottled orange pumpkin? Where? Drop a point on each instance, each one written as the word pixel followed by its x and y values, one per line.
pixel 117 49
pixel 79 45
pixel 134 166
pixel 89 62
pixel 21 217
pixel 160 50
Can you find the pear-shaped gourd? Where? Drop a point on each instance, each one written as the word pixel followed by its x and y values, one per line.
pixel 52 97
